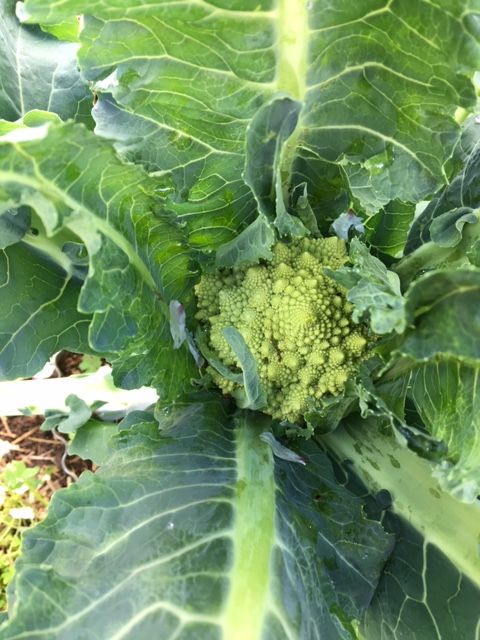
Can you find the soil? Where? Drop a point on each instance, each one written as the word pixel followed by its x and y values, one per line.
pixel 36 448
pixel 69 363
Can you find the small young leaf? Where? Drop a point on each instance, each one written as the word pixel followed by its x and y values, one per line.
pixel 251 245
pixel 374 291
pixel 252 396
pixel 178 327
pixel 279 451
pixel 345 222
pixel 446 229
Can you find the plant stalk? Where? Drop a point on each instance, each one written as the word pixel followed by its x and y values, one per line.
pixel 383 463
pixel 32 397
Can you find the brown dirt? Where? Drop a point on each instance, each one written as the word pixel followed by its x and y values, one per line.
pixel 36 448
pixel 69 363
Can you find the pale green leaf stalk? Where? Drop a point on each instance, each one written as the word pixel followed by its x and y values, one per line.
pixel 32 397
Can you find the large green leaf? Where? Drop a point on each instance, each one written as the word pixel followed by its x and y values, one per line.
pixel 196 531
pixel 447 230
pixel 430 587
pixel 138 256
pixel 39 316
pixel 447 398
pixel 13 226
pixel 443 307
pixel 435 407
pixel 422 595
pixel 463 193
pixel 377 117
pixel 38 72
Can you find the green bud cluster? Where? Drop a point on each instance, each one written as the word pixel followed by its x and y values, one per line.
pixel 295 320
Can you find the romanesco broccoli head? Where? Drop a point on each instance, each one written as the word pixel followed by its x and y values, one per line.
pixel 295 320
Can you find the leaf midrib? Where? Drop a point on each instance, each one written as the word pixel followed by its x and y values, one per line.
pixel 253 535
pixel 292 30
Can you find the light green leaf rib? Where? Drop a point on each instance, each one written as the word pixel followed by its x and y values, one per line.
pixel 292 56
pixel 254 534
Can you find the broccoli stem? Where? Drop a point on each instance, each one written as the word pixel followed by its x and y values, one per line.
pixel 34 397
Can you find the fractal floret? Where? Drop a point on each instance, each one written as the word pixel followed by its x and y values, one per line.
pixel 295 320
